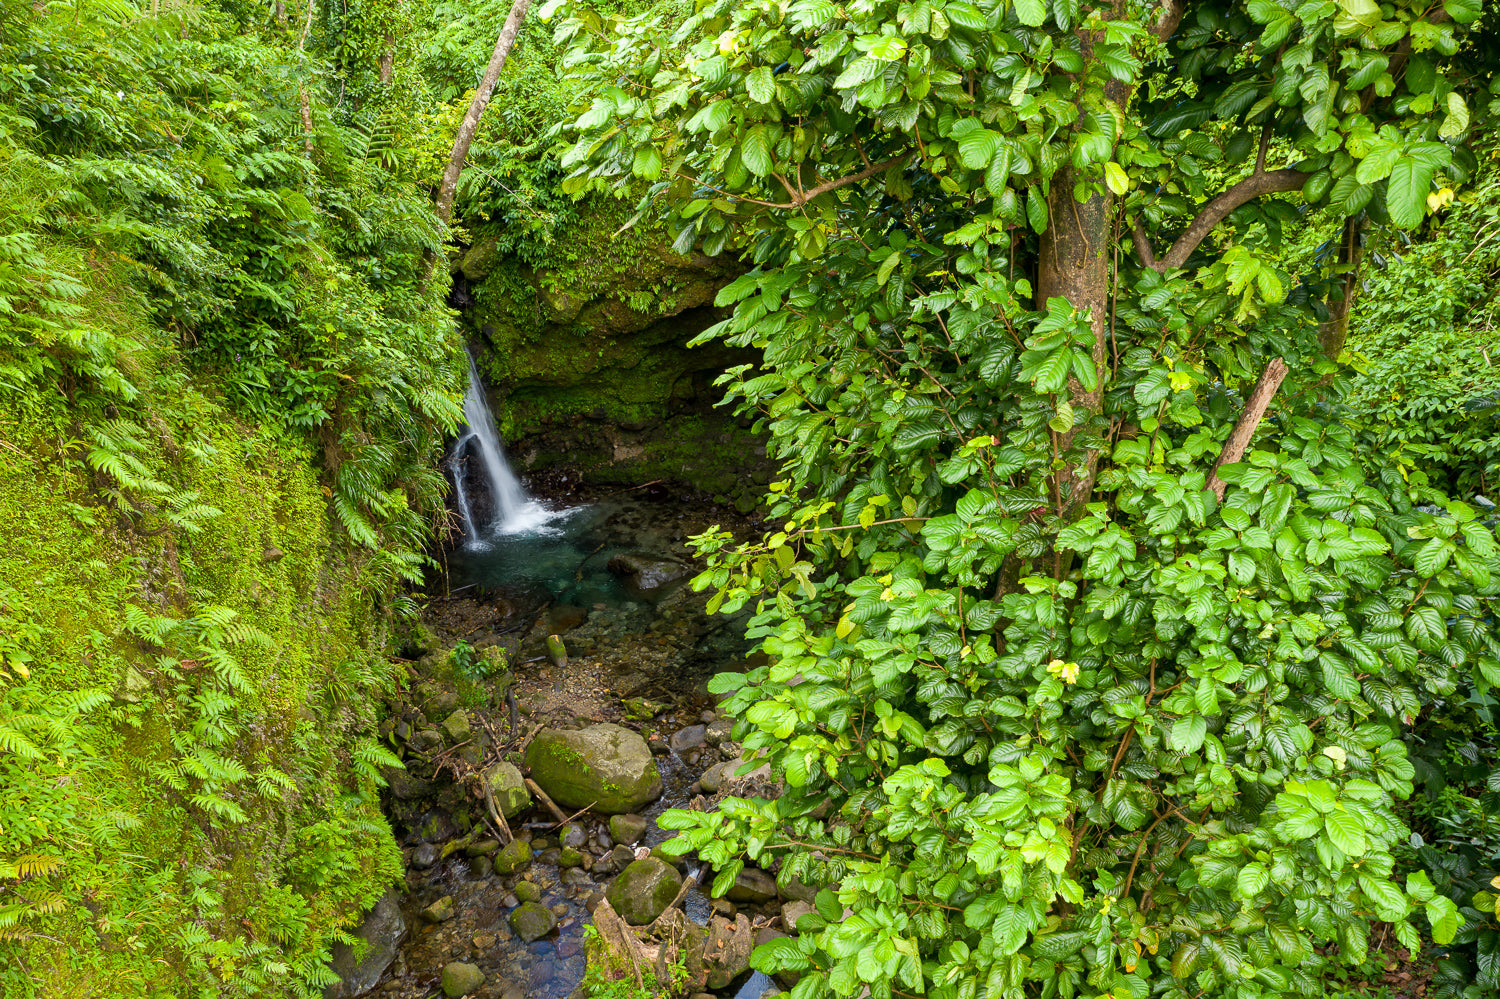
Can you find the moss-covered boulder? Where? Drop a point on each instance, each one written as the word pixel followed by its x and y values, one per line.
pixel 506 784
pixel 513 856
pixel 460 979
pixel 531 921
pixel 644 890
pixel 605 767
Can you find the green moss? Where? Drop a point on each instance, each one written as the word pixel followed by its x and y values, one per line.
pixel 221 821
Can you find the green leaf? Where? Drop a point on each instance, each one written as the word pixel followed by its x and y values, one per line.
pixel 1443 915
pixel 1032 13
pixel 1188 733
pixel 755 150
pixel 1406 192
pixel 976 148
pixel 759 85
pixel 1347 832
pixel 1116 178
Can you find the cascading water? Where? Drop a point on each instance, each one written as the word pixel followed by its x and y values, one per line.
pixel 514 511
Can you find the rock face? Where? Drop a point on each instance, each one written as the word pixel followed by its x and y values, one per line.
pixel 727 952
pixel 460 979
pixel 603 766
pixel 382 929
pixel 508 788
pixel 644 890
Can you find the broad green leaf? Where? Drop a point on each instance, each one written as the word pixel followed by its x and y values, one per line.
pixel 759 85
pixel 1406 192
pixel 1032 12
pixel 1347 832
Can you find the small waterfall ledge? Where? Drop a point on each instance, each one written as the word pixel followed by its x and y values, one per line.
pixel 489 496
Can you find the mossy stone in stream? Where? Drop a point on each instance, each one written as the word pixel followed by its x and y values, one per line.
pixel 627 828
pixel 605 767
pixel 459 979
pixel 531 921
pixel 569 857
pixel 644 890
pixel 526 891
pixel 509 789
pixel 513 856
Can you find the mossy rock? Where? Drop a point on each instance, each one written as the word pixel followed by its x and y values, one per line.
pixel 509 789
pixel 531 921
pixel 644 890
pixel 605 767
pixel 513 856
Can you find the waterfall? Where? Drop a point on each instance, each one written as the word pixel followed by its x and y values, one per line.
pixel 513 510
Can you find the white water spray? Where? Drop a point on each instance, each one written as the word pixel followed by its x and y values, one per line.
pixel 515 511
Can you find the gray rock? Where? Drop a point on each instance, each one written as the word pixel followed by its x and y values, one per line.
pixel 617 859
pixel 527 892
pixel 752 885
pixel 712 779
pixel 627 828
pixel 382 929
pixel 424 856
pixel 647 576
pixel 727 953
pixel 440 705
pixel 643 890
pixel 513 856
pixel 573 835
pixel 689 738
pixel 531 921
pixel 460 979
pixel 508 788
pixel 793 911
pixel 133 686
pixel 482 867
pixel 603 766
pixel 718 731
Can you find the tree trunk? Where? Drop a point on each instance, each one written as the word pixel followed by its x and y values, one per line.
pixel 388 59
pixel 470 125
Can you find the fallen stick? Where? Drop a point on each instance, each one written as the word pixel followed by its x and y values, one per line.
pixel 688 884
pixel 495 814
pixel 551 805
pixel 575 815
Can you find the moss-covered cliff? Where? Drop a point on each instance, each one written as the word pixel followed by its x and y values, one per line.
pixel 188 805
pixel 584 347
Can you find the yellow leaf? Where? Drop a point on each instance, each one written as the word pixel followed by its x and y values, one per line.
pixel 1116 178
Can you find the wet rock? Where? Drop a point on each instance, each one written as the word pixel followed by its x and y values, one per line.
pixel 574 877
pixel 557 652
pixel 434 827
pixel 627 828
pixel 752 885
pixel 424 856
pixel 688 738
pixel 603 766
pixel 727 953
pixel 643 890
pixel 440 911
pixel 513 856
pixel 527 892
pixel 551 856
pixel 460 979
pixel 404 786
pixel 569 857
pixel 647 576
pixel 381 930
pixel 707 717
pixel 481 847
pixel 718 731
pixel 560 910
pixel 641 709
pixel 456 727
pixel 483 941
pixel 573 835
pixel 532 921
pixel 482 867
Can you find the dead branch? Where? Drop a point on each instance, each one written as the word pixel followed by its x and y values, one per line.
pixel 1245 427
pixel 551 805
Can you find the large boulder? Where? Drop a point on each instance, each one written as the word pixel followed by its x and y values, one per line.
pixel 644 890
pixel 532 921
pixel 604 766
pixel 506 784
pixel 381 930
pixel 726 955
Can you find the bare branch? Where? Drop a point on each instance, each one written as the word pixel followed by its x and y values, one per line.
pixel 1217 210
pixel 1265 144
pixel 1143 245
pixel 1244 428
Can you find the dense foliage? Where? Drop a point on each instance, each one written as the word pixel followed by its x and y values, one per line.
pixel 1084 679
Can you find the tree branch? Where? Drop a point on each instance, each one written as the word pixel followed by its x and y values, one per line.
pixel 1217 210
pixel 832 185
pixel 1143 245
pixel 1170 18
pixel 1244 428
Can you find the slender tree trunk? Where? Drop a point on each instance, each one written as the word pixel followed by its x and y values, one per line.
pixel 388 59
pixel 302 98
pixel 481 100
